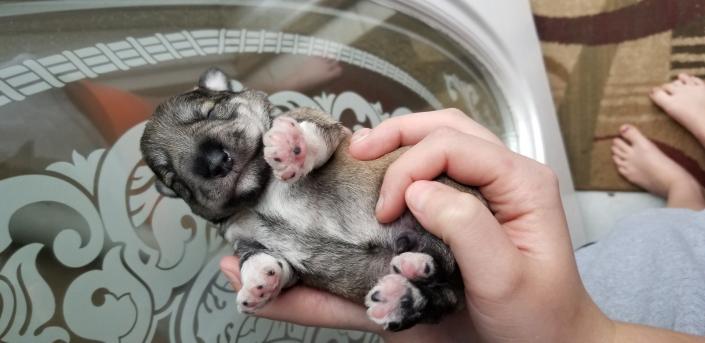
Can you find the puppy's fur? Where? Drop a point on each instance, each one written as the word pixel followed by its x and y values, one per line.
pixel 295 205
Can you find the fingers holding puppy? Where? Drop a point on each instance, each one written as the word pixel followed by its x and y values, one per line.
pixel 230 266
pixel 409 129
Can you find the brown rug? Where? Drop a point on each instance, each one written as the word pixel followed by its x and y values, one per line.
pixel 602 58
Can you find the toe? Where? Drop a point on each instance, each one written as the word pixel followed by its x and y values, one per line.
pixel 620 146
pixel 631 134
pixel 619 161
pixel 684 78
pixel 623 170
pixel 697 81
pixel 618 152
pixel 660 96
pixel 622 130
pixel 671 87
pixel 690 79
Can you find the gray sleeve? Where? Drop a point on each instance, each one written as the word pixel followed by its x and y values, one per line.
pixel 650 270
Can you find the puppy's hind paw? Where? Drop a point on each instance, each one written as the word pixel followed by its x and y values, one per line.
pixel 261 282
pixel 395 303
pixel 413 265
pixel 285 149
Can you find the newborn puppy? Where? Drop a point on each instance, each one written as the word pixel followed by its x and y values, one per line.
pixel 295 205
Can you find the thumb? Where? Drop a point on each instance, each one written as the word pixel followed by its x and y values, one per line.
pixel 230 266
pixel 485 254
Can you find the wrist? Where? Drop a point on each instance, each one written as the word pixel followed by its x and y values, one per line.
pixel 418 334
pixel 591 325
pixel 454 328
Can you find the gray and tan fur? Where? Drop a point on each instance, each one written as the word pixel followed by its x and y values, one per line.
pixel 295 205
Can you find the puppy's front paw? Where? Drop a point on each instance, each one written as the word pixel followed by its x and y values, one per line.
pixel 261 282
pixel 413 265
pixel 395 303
pixel 285 149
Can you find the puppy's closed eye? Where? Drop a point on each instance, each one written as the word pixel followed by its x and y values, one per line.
pixel 208 109
pixel 217 110
pixel 211 113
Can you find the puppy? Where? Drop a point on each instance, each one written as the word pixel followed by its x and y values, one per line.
pixel 295 205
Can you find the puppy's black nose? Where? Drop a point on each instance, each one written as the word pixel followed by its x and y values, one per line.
pixel 213 161
pixel 219 162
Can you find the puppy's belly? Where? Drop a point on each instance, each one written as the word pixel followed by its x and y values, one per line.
pixel 348 270
pixel 331 236
pixel 323 259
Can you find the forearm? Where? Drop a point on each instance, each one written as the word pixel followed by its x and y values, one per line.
pixel 455 328
pixel 592 325
pixel 625 332
pixel 422 336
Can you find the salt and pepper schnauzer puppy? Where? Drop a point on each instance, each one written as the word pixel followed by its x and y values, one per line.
pixel 295 205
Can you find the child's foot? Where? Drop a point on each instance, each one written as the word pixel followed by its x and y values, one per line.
pixel 644 164
pixel 684 100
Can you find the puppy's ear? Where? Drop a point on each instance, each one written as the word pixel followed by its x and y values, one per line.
pixel 214 79
pixel 164 189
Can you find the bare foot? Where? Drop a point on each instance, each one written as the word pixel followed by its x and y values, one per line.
pixel 684 100
pixel 644 164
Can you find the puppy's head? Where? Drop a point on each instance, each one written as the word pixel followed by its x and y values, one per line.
pixel 205 146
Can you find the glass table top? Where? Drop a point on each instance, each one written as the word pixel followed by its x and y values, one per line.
pixel 84 237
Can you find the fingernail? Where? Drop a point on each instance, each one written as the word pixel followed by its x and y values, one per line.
pixel 360 134
pixel 229 266
pixel 624 128
pixel 420 192
pixel 380 203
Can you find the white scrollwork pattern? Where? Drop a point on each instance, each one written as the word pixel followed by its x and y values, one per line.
pixel 109 295
pixel 27 301
pixel 123 264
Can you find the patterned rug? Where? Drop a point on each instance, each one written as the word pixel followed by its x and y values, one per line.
pixel 602 58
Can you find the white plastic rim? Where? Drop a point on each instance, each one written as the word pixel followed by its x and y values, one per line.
pixel 501 35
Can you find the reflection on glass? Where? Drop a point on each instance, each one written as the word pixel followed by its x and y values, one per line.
pixel 88 250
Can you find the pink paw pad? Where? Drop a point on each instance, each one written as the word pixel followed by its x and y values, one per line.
pixel 260 283
pixel 390 301
pixel 285 148
pixel 413 265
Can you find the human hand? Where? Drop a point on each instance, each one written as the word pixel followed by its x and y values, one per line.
pixel 517 265
pixel 520 277
pixel 308 306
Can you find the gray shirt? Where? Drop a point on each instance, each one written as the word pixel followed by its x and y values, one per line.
pixel 650 270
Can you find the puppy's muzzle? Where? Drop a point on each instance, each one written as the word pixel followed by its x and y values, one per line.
pixel 213 161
